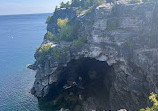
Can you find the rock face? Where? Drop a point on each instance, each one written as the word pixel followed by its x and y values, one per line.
pixel 122 41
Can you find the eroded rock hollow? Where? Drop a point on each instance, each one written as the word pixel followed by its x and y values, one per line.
pixel 86 80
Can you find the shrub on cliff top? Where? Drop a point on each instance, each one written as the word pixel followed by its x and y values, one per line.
pixel 153 97
pixel 81 3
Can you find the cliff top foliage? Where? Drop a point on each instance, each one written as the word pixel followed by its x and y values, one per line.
pixel 153 97
pixel 84 4
pixel 66 32
pixel 88 3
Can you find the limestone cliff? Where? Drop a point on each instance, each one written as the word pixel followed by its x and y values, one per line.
pixel 118 62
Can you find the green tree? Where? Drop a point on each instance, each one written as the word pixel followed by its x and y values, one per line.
pixel 67 4
pixel 153 97
pixel 75 3
pixel 56 8
pixel 48 19
pixel 62 5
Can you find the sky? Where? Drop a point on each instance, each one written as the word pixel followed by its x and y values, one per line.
pixel 11 7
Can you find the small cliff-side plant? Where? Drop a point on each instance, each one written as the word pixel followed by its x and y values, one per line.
pixel 48 20
pixel 79 11
pixel 153 97
pixel 49 36
pixel 43 51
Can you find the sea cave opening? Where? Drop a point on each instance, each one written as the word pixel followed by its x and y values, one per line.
pixel 84 83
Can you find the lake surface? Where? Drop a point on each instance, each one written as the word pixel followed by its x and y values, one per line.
pixel 20 35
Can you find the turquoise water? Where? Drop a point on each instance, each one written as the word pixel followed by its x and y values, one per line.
pixel 19 37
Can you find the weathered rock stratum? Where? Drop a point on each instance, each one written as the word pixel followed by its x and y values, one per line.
pixel 118 62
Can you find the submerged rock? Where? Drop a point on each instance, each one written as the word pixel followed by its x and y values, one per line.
pixel 118 62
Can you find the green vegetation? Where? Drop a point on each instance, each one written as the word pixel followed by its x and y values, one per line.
pixel 56 8
pixel 79 42
pixel 153 97
pixel 57 52
pixel 84 4
pixel 43 51
pixel 48 19
pixel 47 50
pixel 111 25
pixel 64 5
pixel 49 36
pixel 62 23
pixel 66 31
pixel 79 11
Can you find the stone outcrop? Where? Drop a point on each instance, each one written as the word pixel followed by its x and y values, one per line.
pixel 121 37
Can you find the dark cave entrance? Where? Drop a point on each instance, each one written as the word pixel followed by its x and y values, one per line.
pixel 93 79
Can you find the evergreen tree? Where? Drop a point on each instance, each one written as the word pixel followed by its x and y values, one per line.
pixel 75 3
pixel 62 5
pixel 67 4
pixel 56 8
